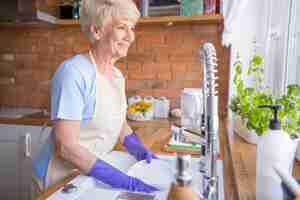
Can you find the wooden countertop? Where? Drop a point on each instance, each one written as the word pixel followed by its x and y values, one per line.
pixel 34 119
pixel 155 135
pixel 239 157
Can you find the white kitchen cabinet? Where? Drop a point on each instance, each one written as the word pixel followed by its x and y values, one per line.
pixel 18 146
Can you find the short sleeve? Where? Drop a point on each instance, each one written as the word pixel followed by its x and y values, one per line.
pixel 67 94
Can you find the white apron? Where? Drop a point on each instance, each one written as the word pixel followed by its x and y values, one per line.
pixel 100 134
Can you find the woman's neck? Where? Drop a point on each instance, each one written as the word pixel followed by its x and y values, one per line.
pixel 104 61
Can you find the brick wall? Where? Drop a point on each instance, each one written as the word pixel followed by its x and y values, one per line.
pixel 162 61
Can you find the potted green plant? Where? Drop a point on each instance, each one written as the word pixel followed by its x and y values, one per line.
pixel 250 121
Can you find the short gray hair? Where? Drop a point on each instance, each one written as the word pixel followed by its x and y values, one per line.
pixel 98 12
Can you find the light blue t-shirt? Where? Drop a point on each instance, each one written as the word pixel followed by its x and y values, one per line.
pixel 73 90
pixel 73 97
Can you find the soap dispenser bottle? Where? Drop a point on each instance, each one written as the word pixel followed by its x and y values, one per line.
pixel 181 189
pixel 273 148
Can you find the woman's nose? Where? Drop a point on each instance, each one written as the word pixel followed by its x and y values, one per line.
pixel 130 36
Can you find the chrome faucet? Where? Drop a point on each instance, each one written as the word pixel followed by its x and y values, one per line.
pixel 210 121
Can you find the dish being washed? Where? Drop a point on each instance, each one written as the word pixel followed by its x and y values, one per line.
pixel 159 173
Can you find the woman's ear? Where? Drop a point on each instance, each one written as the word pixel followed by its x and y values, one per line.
pixel 95 32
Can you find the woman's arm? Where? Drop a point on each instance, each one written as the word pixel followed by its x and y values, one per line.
pixel 67 144
pixel 134 145
pixel 126 130
pixel 67 138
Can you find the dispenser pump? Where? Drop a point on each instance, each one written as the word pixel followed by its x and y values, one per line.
pixel 275 122
pixel 182 189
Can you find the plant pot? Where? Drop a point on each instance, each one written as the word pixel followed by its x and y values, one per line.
pixel 241 130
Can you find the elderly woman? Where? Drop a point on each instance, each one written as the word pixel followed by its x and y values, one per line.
pixel 88 102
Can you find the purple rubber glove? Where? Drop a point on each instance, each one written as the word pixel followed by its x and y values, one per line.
pixel 107 174
pixel 136 148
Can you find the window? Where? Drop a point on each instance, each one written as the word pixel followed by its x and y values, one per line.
pixel 293 55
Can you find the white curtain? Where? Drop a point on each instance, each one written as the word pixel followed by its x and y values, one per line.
pixel 239 31
pixel 293 58
pixel 232 11
pixel 274 37
pixel 266 22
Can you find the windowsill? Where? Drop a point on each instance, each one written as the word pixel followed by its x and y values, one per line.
pixel 167 20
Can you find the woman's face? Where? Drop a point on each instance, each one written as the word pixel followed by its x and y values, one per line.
pixel 117 37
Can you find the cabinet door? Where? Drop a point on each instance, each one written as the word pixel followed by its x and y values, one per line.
pixel 15 163
pixel 39 135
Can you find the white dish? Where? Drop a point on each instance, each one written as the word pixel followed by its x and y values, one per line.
pixel 121 160
pixel 158 173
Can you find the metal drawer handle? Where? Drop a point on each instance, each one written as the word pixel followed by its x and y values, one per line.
pixel 27 145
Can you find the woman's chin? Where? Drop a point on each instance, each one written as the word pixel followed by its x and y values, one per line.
pixel 121 54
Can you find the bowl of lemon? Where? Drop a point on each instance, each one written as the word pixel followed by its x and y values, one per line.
pixel 140 111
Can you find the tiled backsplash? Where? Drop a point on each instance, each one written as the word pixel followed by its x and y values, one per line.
pixel 162 61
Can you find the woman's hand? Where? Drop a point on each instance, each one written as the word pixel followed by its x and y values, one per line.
pixel 136 148
pixel 107 174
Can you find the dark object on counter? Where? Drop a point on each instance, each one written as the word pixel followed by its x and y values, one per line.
pixel 163 2
pixel 76 6
pixel 69 188
pixel 135 196
pixel 66 12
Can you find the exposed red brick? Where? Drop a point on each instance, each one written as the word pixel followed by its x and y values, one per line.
pixel 178 76
pixel 178 67
pixel 134 66
pixel 164 76
pixel 26 60
pixel 7 40
pixel 176 84
pixel 206 28
pixel 174 39
pixel 170 93
pixel 136 84
pixel 141 57
pixel 24 76
pixel 157 67
pixel 193 84
pixel 161 54
pixel 81 44
pixel 133 48
pixel 7 57
pixel 146 92
pixel 183 57
pixel 195 67
pixel 161 62
pixel 191 76
pixel 141 75
pixel 153 38
pixel 8 95
pixel 7 69
pixel 156 84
